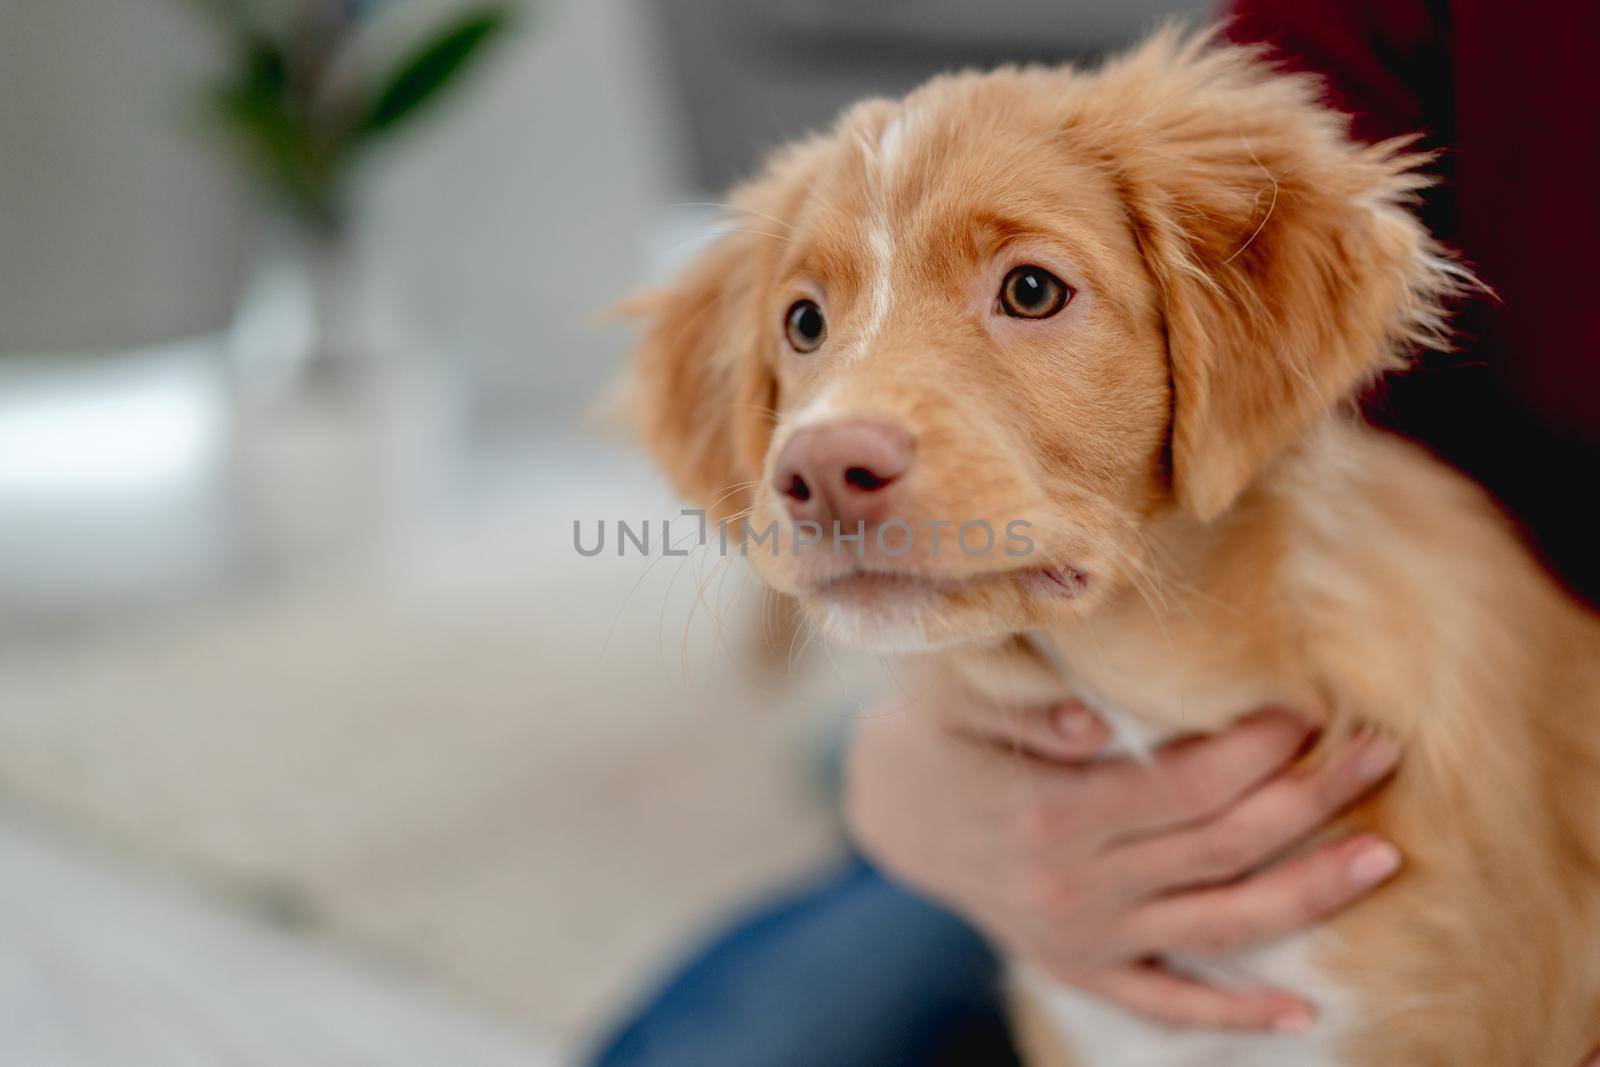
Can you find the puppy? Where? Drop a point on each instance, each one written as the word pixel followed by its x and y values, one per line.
pixel 1115 320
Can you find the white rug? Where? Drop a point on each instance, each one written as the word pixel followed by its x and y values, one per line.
pixel 476 752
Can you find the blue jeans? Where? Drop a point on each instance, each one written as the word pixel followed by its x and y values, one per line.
pixel 852 972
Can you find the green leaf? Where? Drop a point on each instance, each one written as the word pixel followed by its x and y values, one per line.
pixel 257 106
pixel 434 65
pixel 286 152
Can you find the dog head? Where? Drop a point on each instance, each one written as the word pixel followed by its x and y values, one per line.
pixel 956 354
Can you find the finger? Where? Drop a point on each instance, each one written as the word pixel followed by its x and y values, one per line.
pixel 1191 781
pixel 1151 990
pixel 1593 1061
pixel 1261 825
pixel 1062 734
pixel 1210 922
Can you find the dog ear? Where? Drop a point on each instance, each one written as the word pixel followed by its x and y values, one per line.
pixel 1290 271
pixel 702 394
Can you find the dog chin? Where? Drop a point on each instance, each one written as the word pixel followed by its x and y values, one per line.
pixel 917 623
pixel 887 612
pixel 892 613
pixel 900 631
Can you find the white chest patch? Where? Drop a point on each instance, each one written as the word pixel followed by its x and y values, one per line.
pixel 1100 1034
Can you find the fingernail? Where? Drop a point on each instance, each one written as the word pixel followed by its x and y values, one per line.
pixel 1293 1021
pixel 1279 715
pixel 1378 756
pixel 1374 861
pixel 1074 722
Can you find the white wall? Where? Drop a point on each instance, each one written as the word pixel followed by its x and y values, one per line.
pixel 511 226
pixel 499 227
pixel 118 222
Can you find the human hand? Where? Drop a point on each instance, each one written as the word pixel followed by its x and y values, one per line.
pixel 1092 870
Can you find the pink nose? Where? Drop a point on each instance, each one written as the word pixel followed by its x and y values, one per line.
pixel 842 472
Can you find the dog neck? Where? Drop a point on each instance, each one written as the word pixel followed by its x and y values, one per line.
pixel 1355 557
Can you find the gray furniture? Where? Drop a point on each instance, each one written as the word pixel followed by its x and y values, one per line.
pixel 755 73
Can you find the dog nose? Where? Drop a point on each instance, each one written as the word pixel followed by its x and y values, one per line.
pixel 842 471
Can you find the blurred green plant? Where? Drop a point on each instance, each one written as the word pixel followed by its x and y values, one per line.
pixel 301 112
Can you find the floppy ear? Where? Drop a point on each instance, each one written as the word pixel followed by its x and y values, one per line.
pixel 1291 273
pixel 702 393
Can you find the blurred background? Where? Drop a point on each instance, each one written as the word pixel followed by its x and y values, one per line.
pixel 319 744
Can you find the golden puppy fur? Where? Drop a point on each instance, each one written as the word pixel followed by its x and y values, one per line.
pixel 1180 436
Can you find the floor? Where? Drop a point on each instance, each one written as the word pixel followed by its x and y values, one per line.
pixel 108 964
pixel 369 729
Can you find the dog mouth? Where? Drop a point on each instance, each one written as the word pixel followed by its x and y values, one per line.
pixel 867 587
pixel 862 587
pixel 1064 582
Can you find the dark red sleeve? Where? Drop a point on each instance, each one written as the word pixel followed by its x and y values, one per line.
pixel 1384 63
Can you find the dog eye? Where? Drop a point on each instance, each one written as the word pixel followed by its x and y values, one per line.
pixel 1033 293
pixel 805 326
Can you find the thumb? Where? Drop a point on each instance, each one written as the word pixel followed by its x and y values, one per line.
pixel 1063 733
